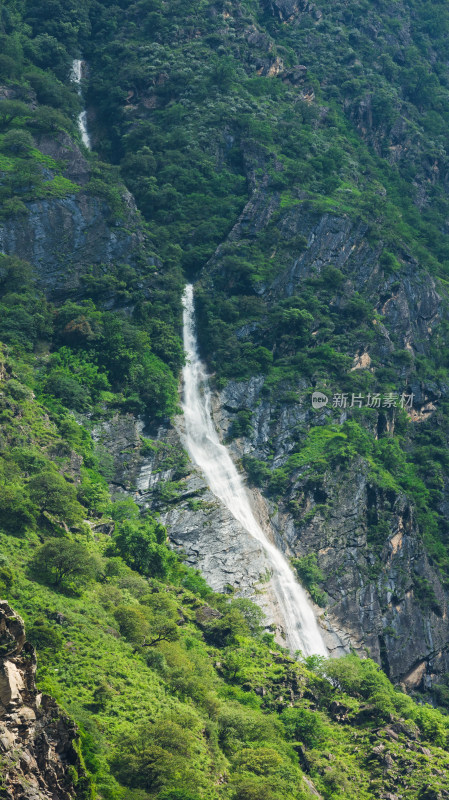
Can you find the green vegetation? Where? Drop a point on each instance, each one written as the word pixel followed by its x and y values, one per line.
pixel 310 576
pixel 180 693
pixel 92 351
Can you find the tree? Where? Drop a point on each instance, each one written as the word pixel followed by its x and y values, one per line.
pixel 223 631
pixel 141 545
pixel 304 726
pixel 10 110
pixel 161 630
pixel 144 629
pixel 157 755
pixel 52 494
pixel 16 511
pixel 68 389
pixel 133 623
pixel 253 615
pixel 17 142
pixel 62 562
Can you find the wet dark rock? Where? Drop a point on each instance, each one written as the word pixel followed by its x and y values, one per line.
pixel 61 237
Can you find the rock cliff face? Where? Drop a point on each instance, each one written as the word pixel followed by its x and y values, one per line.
pixel 375 600
pixel 374 604
pixel 202 529
pixel 64 237
pixel 386 600
pixel 391 604
pixel 38 754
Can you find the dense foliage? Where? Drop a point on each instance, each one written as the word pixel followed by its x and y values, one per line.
pixel 202 106
pixel 181 693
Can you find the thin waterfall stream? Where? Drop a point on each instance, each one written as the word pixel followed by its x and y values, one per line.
pixel 77 75
pixel 212 457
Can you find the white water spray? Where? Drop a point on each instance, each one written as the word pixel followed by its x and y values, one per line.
pixel 206 450
pixel 77 74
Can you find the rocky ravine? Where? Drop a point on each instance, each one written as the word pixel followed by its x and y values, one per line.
pixel 39 758
pixel 198 524
pixel 374 603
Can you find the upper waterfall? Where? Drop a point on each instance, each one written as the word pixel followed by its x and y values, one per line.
pixel 77 74
pixel 213 458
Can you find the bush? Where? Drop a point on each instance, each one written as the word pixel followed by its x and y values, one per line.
pixel 64 563
pixel 67 389
pixel 253 788
pixel 42 635
pixel 16 511
pixel 304 726
pixel 310 576
pixel 154 755
pixel 142 545
pixel 13 206
pixel 51 493
pixel 6 578
pixel 18 142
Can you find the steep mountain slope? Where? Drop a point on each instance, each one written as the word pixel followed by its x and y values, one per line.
pixel 290 158
pixel 332 278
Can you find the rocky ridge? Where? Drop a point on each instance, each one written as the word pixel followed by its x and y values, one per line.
pixel 39 755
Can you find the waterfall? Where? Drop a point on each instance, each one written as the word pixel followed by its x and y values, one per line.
pixel 77 74
pixel 213 458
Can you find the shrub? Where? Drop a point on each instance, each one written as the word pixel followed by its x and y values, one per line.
pixel 154 755
pixel 62 562
pixel 51 493
pixel 310 576
pixel 18 142
pixel 304 726
pixel 6 578
pixel 42 635
pixel 142 545
pixel 16 511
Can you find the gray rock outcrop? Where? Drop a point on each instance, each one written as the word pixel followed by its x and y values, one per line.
pixel 38 743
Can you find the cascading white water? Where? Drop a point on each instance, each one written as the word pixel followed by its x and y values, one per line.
pixel 206 450
pixel 77 74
